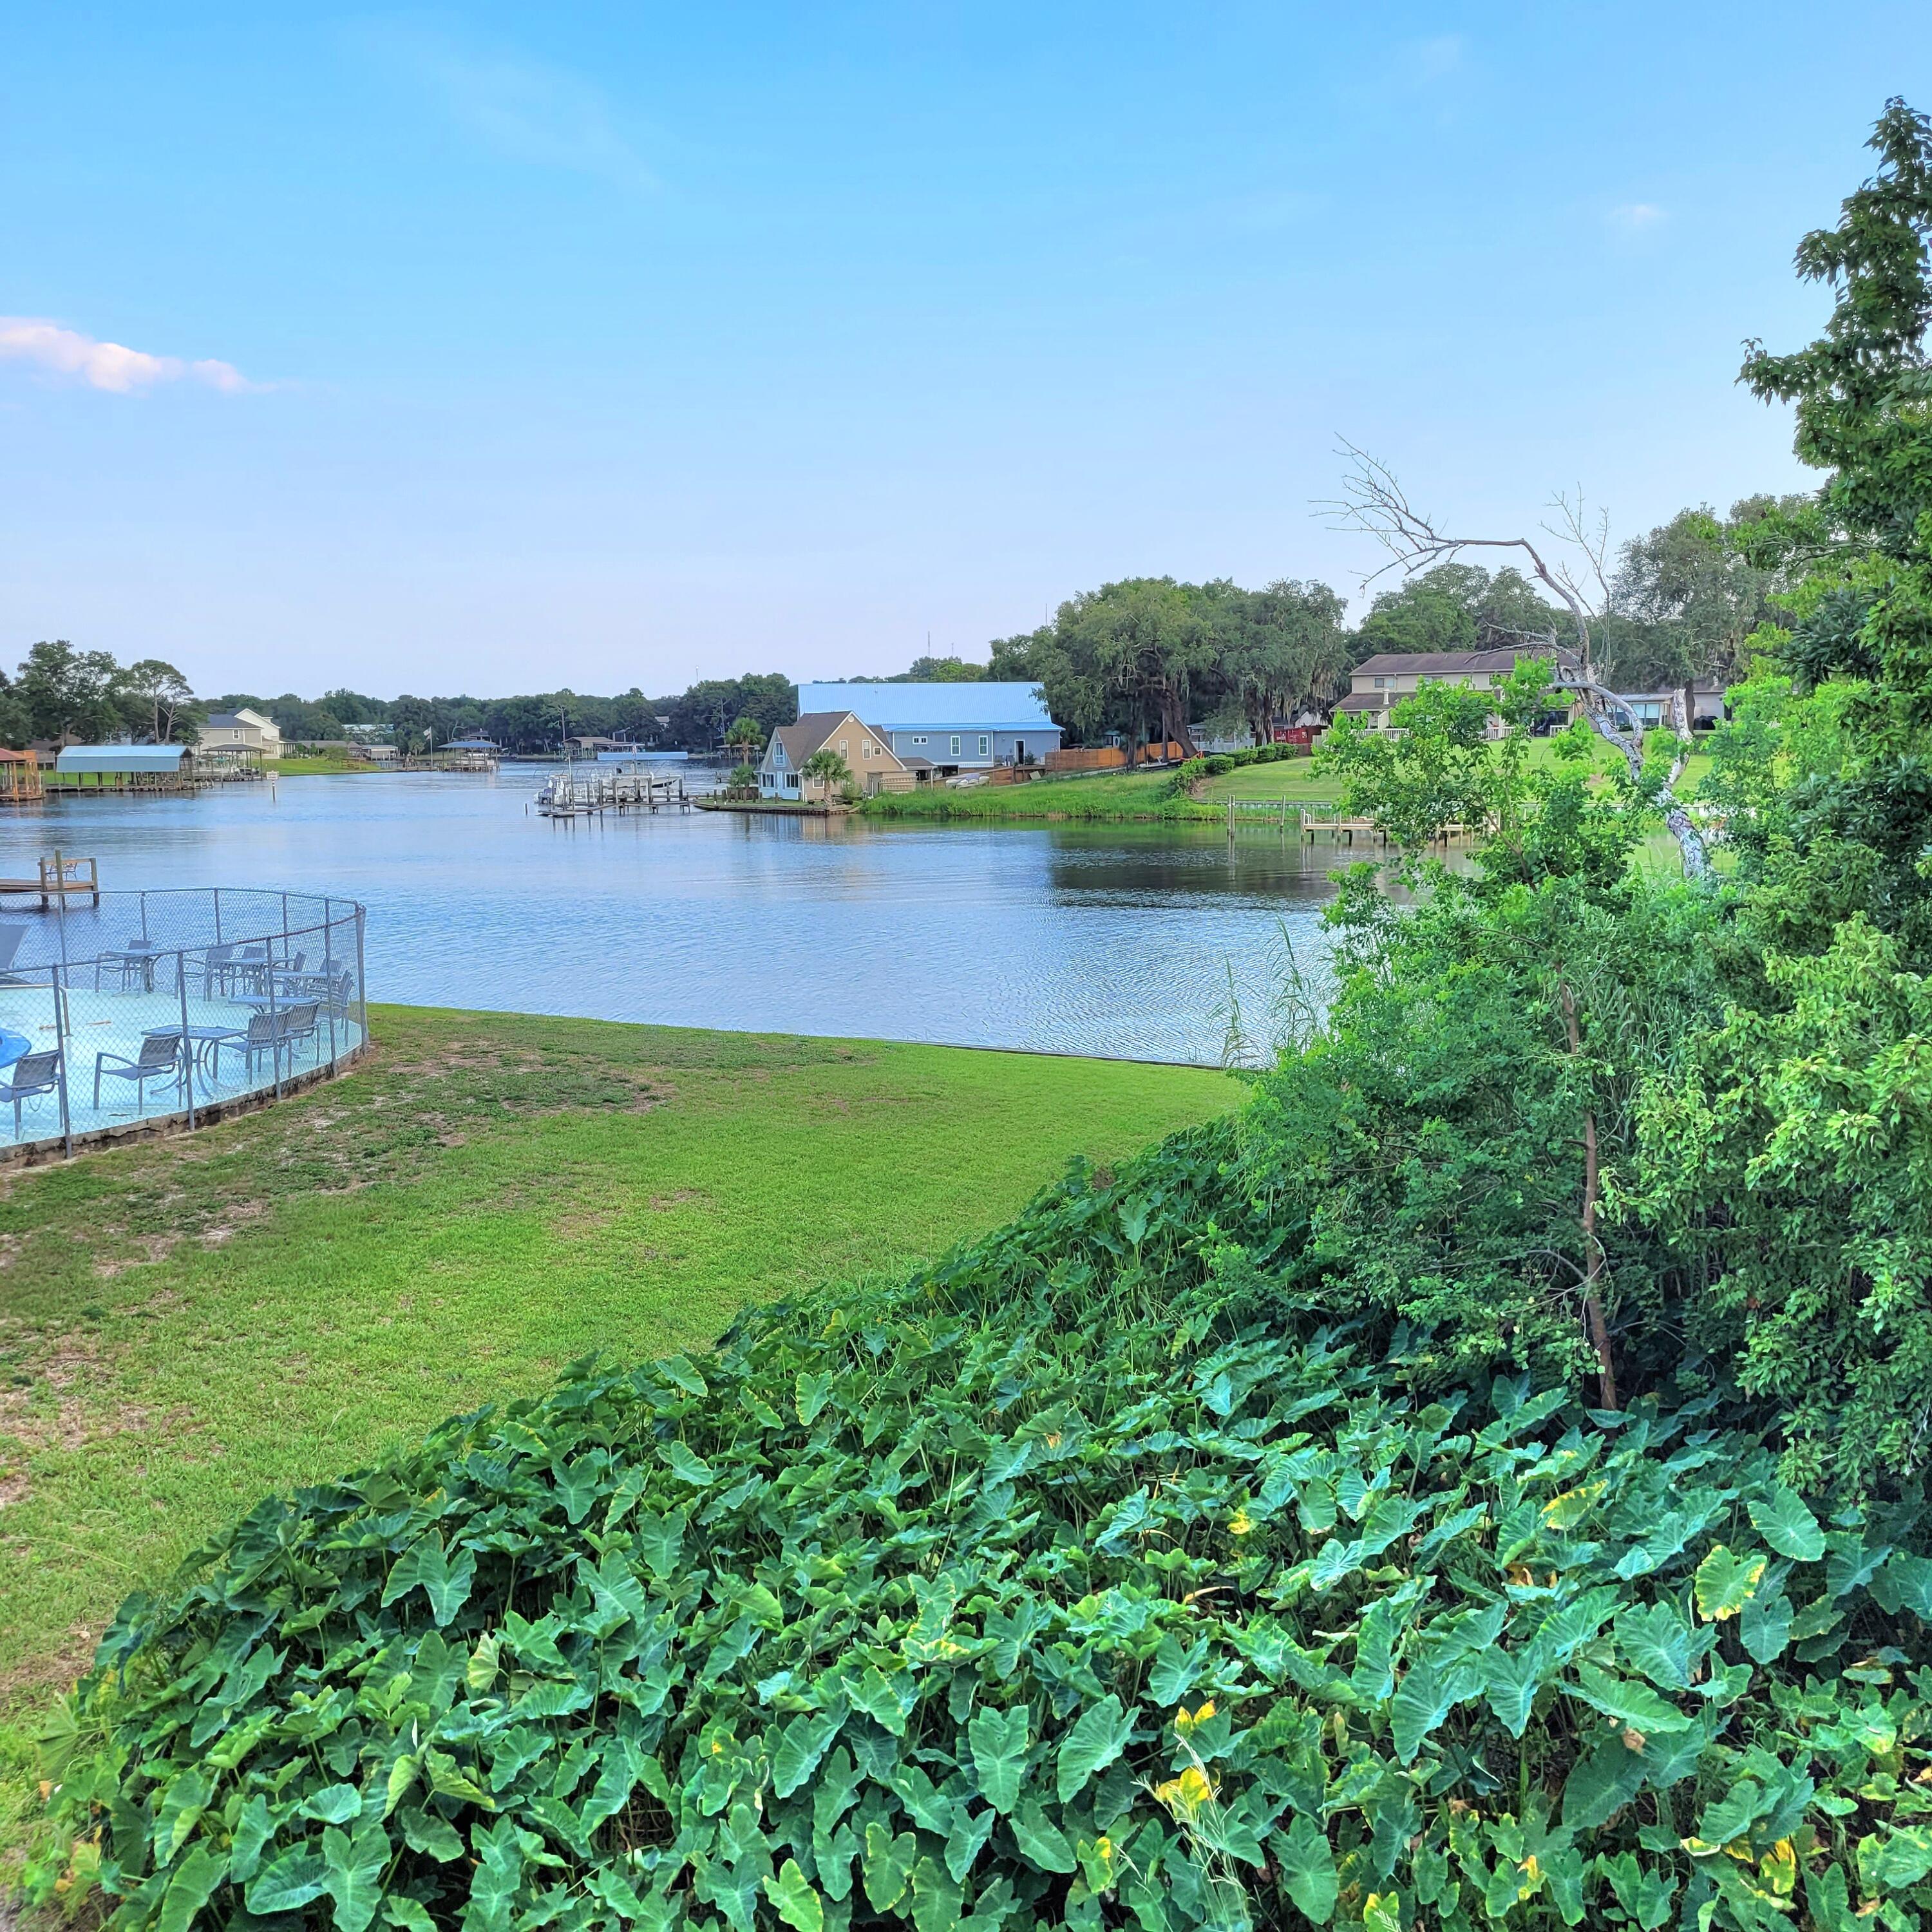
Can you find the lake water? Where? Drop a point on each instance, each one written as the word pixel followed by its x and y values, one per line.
pixel 1115 940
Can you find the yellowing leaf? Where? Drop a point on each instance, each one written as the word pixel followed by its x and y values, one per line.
pixel 1725 1583
pixel 1566 1511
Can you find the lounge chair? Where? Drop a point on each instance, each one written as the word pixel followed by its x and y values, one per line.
pixel 161 1058
pixel 30 1077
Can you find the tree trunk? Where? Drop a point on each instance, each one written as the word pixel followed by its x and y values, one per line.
pixel 1593 1257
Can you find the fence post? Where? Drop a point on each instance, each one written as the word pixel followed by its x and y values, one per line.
pixel 328 972
pixel 361 975
pixel 218 915
pixel 60 1040
pixel 144 918
pixel 274 1016
pixel 187 1045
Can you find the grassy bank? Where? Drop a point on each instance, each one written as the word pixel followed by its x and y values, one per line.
pixel 1106 795
pixel 1149 795
pixel 187 1325
pixel 318 766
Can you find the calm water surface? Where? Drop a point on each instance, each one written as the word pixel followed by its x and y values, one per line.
pixel 1115 940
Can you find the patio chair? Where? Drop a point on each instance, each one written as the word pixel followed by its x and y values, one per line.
pixel 31 1076
pixel 161 1058
pixel 298 1024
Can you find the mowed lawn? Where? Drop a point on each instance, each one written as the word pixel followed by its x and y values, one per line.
pixel 188 1324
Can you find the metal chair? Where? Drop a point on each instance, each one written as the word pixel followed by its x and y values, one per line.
pixel 161 1058
pixel 33 1075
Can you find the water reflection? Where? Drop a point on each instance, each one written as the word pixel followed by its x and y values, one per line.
pixel 1100 939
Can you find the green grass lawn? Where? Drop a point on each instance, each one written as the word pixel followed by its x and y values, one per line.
pixel 1103 795
pixel 319 766
pixel 188 1324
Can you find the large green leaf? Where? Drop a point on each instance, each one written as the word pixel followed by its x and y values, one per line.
pixel 1308 1867
pixel 289 1883
pixel 190 1886
pixel 885 1866
pixel 1658 1640
pixel 801 1744
pixel 493 1885
pixel 1627 1700
pixel 794 1900
pixel 1099 1734
pixel 998 1741
pixel 353 1872
pixel 1788 1526
pixel 1041 1840
pixel 1511 1680
pixel 1422 1702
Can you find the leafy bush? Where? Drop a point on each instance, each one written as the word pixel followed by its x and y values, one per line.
pixel 1031 1592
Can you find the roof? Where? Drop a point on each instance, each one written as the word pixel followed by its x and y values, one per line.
pixel 8 757
pixel 1365 700
pixel 809 734
pixel 122 758
pixel 1453 664
pixel 486 744
pixel 229 719
pixel 947 707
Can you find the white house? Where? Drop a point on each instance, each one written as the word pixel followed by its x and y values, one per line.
pixel 936 730
pixel 231 736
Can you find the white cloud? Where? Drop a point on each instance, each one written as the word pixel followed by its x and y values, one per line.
pixel 1634 217
pixel 522 108
pixel 108 365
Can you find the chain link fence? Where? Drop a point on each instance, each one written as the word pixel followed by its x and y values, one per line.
pixel 170 1006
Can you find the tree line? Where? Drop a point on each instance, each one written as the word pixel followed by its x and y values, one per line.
pixel 1147 658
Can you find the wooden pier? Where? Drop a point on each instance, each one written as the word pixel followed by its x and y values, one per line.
pixel 1312 822
pixel 570 795
pixel 60 879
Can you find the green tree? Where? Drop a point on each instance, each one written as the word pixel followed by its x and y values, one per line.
pixel 746 736
pixel 826 769
pixel 64 690
pixel 157 700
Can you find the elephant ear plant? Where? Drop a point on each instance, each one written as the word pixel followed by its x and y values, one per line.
pixel 1013 1596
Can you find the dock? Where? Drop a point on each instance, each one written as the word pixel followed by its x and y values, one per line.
pixel 1313 822
pixel 569 796
pixel 59 879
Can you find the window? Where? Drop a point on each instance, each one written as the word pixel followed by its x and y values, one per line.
pixel 1381 684
pixel 845 749
pixel 985 745
pixel 955 744
pixel 918 739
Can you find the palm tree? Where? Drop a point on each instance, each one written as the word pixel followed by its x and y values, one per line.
pixel 746 737
pixel 828 768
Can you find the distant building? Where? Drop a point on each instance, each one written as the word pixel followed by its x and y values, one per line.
pixel 1377 685
pixel 1651 708
pixel 229 737
pixel 942 729
pixel 873 763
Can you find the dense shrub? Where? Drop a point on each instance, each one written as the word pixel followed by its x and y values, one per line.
pixel 1032 1592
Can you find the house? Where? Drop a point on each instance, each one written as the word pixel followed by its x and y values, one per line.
pixel 1377 685
pixel 940 730
pixel 1651 708
pixel 874 765
pixel 229 737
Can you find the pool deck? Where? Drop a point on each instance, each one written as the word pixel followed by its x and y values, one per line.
pixel 112 1022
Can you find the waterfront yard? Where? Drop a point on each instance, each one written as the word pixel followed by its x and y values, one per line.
pixel 186 1325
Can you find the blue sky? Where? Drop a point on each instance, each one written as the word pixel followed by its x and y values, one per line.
pixel 500 348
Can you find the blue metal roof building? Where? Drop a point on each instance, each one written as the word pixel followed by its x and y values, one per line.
pixel 122 758
pixel 947 727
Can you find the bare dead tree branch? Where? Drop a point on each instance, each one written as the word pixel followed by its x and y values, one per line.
pixel 1373 501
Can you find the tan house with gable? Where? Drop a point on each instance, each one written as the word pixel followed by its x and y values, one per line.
pixel 874 765
pixel 234 737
